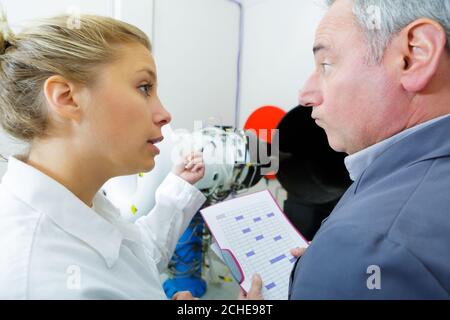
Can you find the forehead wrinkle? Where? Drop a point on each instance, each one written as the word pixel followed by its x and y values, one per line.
pixel 340 17
pixel 331 29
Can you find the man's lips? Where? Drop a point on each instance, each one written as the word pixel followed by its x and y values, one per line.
pixel 318 121
pixel 315 117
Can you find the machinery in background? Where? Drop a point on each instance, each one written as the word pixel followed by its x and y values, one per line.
pixel 313 175
pixel 232 162
pixel 232 165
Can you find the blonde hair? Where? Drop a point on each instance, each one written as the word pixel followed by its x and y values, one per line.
pixel 49 47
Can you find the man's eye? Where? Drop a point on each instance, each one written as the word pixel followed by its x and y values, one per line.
pixel 325 66
pixel 145 89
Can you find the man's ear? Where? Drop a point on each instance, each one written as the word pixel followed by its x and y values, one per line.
pixel 423 48
pixel 59 93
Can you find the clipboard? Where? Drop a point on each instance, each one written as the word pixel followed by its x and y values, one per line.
pixel 254 235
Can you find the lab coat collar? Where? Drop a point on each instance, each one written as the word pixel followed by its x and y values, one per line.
pixel 49 197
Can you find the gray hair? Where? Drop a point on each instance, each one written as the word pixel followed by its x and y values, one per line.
pixel 381 20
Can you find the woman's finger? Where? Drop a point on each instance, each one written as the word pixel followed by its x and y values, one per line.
pixel 197 167
pixel 190 165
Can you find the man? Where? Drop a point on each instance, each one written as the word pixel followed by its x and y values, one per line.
pixel 381 91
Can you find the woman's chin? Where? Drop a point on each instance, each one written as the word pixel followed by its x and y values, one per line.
pixel 143 166
pixel 149 165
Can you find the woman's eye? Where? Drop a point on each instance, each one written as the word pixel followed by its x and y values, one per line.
pixel 145 89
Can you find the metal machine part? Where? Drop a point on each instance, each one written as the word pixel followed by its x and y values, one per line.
pixel 230 166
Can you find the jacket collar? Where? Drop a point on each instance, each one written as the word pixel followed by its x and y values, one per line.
pixel 49 197
pixel 430 142
pixel 357 163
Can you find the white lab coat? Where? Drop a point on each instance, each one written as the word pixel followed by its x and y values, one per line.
pixel 53 246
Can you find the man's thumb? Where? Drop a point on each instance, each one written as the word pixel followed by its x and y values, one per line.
pixel 255 289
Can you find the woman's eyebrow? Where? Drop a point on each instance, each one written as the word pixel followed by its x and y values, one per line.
pixel 150 72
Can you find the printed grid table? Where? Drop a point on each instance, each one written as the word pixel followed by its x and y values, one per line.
pixel 259 239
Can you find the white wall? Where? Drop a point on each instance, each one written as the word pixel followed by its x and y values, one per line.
pixel 277 56
pixel 21 11
pixel 196 45
pixel 195 49
pixel 137 12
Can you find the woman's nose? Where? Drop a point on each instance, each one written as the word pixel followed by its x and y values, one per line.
pixel 162 116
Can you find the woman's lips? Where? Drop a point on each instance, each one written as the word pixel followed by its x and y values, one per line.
pixel 156 140
pixel 152 145
pixel 154 148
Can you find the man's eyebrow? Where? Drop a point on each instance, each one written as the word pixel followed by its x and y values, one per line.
pixel 320 47
pixel 151 73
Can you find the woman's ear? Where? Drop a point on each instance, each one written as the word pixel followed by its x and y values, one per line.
pixel 423 47
pixel 59 93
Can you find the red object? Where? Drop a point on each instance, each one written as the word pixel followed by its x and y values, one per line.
pixel 263 120
pixel 268 118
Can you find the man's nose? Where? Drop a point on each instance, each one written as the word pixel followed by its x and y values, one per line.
pixel 310 95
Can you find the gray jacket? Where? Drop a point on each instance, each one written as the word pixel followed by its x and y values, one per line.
pixel 389 236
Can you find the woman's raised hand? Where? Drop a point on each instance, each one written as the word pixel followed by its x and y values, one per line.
pixel 190 168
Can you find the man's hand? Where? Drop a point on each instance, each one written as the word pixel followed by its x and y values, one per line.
pixel 184 295
pixel 255 292
pixel 190 168
pixel 298 252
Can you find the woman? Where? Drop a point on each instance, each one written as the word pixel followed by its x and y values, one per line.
pixel 85 100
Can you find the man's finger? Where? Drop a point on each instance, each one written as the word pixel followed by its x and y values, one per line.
pixel 242 295
pixel 255 290
pixel 182 295
pixel 298 252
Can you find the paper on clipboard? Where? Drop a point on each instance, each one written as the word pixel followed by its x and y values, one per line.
pixel 254 236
